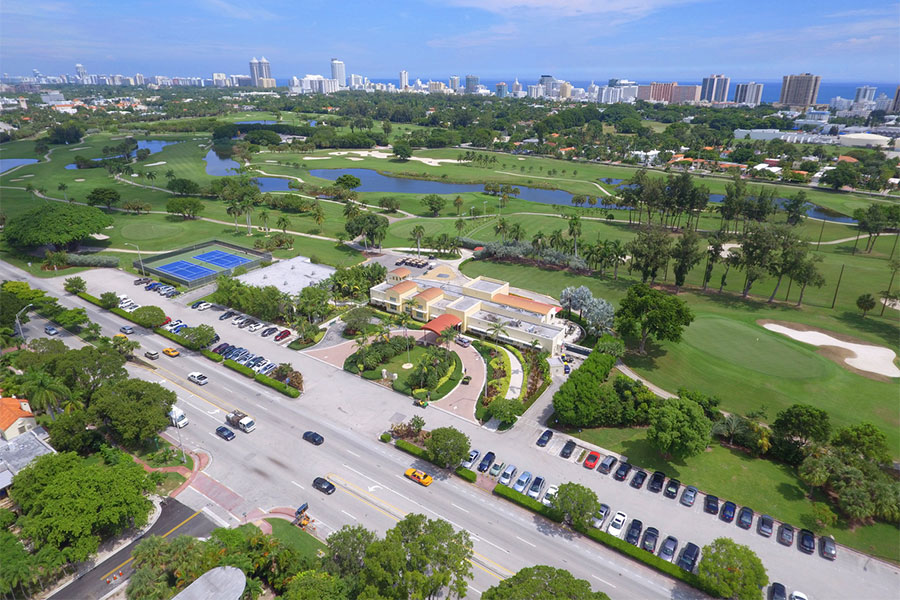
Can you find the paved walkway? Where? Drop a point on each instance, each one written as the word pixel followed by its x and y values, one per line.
pixel 653 387
pixel 516 376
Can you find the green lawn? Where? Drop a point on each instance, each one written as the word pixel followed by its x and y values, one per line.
pixel 767 487
pixel 297 539
pixel 395 365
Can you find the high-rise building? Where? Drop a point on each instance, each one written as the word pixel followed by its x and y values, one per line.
pixel 356 81
pixel 471 84
pixel 535 91
pixel 799 90
pixel 80 72
pixel 895 106
pixel 337 72
pixel 264 70
pixel 138 79
pixel 565 90
pixel 254 72
pixel 516 86
pixel 546 82
pixel 715 88
pixel 685 94
pixel 502 89
pixel 865 93
pixel 220 80
pixel 436 87
pixel 404 80
pixel 749 94
pixel 454 82
pixel 662 92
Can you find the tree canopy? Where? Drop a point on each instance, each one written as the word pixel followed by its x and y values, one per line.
pixel 679 427
pixel 133 410
pixel 733 570
pixel 447 446
pixel 540 582
pixel 55 224
pixel 648 312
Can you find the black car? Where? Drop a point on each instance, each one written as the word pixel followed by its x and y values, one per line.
pixel 668 549
pixel 689 557
pixel 745 518
pixel 777 591
pixel 568 449
pixel 656 481
pixel 269 331
pixel 711 505
pixel 807 541
pixel 827 548
pixel 197 303
pixel 545 438
pixel 227 315
pixel 634 532
pixel 672 488
pixel 651 536
pixel 765 525
pixel 638 480
pixel 786 535
pixel 728 510
pixel 323 485
pixel 622 472
pixel 486 462
pixel 224 433
pixel 313 438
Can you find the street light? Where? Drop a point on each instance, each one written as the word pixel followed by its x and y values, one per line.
pixel 19 324
pixel 180 445
pixel 139 257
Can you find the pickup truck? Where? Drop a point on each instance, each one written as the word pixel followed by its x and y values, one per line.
pixel 241 421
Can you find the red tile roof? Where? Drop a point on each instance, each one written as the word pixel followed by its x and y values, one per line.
pixel 438 324
pixel 11 411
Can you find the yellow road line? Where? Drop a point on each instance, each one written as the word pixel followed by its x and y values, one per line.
pixel 163 535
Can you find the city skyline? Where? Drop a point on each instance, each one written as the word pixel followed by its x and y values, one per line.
pixel 639 39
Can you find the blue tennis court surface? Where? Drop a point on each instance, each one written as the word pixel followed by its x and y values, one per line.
pixel 226 260
pixel 185 270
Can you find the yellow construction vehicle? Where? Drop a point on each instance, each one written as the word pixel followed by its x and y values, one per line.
pixel 301 518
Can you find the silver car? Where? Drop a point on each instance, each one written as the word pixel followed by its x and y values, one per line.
pixel 473 456
pixel 600 516
pixel 537 486
pixel 507 477
pixel 522 482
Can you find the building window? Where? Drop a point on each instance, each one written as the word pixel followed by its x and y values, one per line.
pixel 22 429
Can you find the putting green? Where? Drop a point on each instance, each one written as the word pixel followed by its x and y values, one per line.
pixel 151 231
pixel 753 348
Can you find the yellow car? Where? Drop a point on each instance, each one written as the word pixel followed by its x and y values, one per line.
pixel 420 477
pixel 171 352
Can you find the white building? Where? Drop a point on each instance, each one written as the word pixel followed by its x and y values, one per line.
pixel 748 94
pixel 404 80
pixel 338 73
pixel 864 140
pixel 865 93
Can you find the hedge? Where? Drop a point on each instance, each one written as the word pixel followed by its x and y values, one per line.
pixel 92 260
pixel 89 298
pixel 212 355
pixel 277 385
pixel 466 474
pixel 412 449
pixel 526 502
pixel 450 384
pixel 246 371
pixel 172 336
pixel 373 375
pixel 385 437
pixel 525 370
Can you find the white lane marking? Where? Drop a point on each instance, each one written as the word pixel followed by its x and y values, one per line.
pixel 349 515
pixel 474 590
pixel 213 434
pixel 352 453
pixel 460 508
pixel 298 485
pixel 361 474
pixel 604 581
pixel 262 407
pixel 526 542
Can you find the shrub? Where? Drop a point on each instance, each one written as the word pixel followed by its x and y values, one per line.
pixel 412 449
pixel 245 371
pixel 385 437
pixel 373 375
pixel 466 474
pixel 171 336
pixel 212 355
pixel 7 518
pixel 277 385
pixel 526 502
pixel 92 260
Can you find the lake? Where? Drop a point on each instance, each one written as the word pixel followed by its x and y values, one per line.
pixel 153 146
pixel 255 122
pixel 219 166
pixel 11 163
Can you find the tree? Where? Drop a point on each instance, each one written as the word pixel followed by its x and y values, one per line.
pixel 650 252
pixel 150 317
pixel 283 223
pixel 447 446
pixel 732 570
pixel 86 369
pixel 714 251
pixel 373 227
pixel 796 427
pixel 679 428
pixel 458 203
pixel 198 337
pixel 757 248
pixel 103 196
pixel 109 300
pixel 125 346
pixel 417 233
pixel 313 302
pixel 795 208
pixel 687 254
pixel 844 174
pixel 497 329
pixel 730 427
pixel 865 303
pixel 576 503
pixel 419 558
pixel 133 410
pixel 864 440
pixel 70 433
pixel 183 187
pixel 55 224
pixel 346 552
pixel 315 585
pixel 188 208
pixel 44 391
pixel 348 182
pixel 648 312
pixel 75 285
pixel 539 582
pixel 807 273
pixel 787 257
pixel 574 226
pixel 505 410
pixel 402 150
pixel 433 203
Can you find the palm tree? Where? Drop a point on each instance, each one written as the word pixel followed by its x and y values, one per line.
pixel 247 208
pixel 447 336
pixel 417 233
pixel 516 232
pixel 575 230
pixel 63 187
pixel 617 255
pixel 556 240
pixel 170 174
pixel 730 426
pixel 264 217
pixel 497 329
pixel 539 241
pixel 283 223
pixel 460 225
pixel 501 228
pixel 318 213
pixel 458 202
pixel 234 210
pixel 44 391
pixel 351 210
pixel 151 175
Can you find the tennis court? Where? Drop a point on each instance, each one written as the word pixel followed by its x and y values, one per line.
pixel 185 270
pixel 226 260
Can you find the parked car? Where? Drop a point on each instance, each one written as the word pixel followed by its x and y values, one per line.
pixel 151 354
pixel 545 438
pixel 600 516
pixel 262 365
pixel 51 330
pixel 567 369
pixel 313 438
pixel 180 328
pixel 672 488
pixel 655 484
pixel 284 333
pixel 795 595
pixel 196 304
pixel 567 450
pixel 827 547
pixel 323 485
pixel 463 341
pixel 142 281
pixel 622 472
pixel 689 495
pixel 728 510
pixel 269 331
pixel 255 327
pixel 711 504
pixel 633 535
pixel 506 478
pixel 617 525
pixel 785 534
pixel 765 525
pixel 126 329
pixel 591 459
pixel 268 368
pixel 668 549
pixel 745 518
pixel 496 469
pixel 420 477
pixel 172 293
pixel 522 482
pixel 537 486
pixel 547 500
pixel 486 462
pixel 777 591
pixel 204 306
pixel 246 323
pixel 806 541
pixel 651 536
pixel 220 348
pixel 198 378
pixel 226 315
pixel 224 433
pixel 689 557
pixel 607 464
pixel 638 480
pixel 473 456
pixel 239 319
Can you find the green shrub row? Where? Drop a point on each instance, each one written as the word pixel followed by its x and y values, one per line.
pixel 373 375
pixel 450 384
pixel 385 437
pixel 92 260
pixel 466 474
pixel 89 298
pixel 245 371
pixel 277 385
pixel 399 385
pixel 525 502
pixel 525 369
pixel 212 355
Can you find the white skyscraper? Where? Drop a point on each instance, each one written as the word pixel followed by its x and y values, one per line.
pixel 337 72
pixel 404 80
pixel 81 72
pixel 254 72
pixel 454 82
pixel 516 86
pixel 138 79
pixel 264 71
pixel 865 93
pixel 749 94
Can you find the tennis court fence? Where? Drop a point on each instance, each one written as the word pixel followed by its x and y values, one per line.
pixel 151 265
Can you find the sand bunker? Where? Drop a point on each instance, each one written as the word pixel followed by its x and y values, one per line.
pixel 520 158
pixel 99 236
pixel 431 162
pixel 15 180
pixel 24 176
pixel 79 180
pixel 156 164
pixel 353 158
pixel 317 158
pixel 874 359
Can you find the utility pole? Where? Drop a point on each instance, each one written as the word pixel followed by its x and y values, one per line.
pixel 838 286
pixel 180 445
pixel 19 323
pixel 139 257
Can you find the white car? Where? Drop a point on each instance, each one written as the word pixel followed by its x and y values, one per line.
pixel 198 378
pixel 173 325
pixel 547 500
pixel 617 525
pixel 473 456
pixel 258 368
pixel 798 596
pixel 132 308
pixel 238 319
pixel 204 306
pixel 256 327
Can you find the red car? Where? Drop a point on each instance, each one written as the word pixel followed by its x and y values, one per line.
pixel 167 321
pixel 591 461
pixel 283 334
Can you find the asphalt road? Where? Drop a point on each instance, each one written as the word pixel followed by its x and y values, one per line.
pixel 272 467
pixel 176 519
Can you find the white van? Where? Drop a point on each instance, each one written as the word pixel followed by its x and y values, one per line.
pixel 178 418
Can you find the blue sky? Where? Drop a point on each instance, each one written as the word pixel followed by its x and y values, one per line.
pixel 573 39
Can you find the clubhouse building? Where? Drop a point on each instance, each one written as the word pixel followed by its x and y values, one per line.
pixel 477 306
